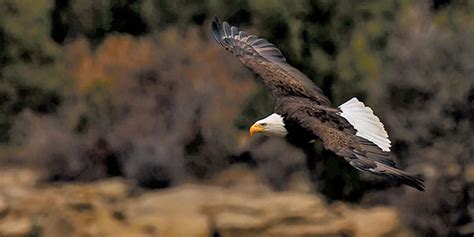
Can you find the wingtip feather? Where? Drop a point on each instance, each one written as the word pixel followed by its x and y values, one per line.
pixel 240 43
pixel 216 28
pixel 414 182
pixel 418 184
pixel 401 176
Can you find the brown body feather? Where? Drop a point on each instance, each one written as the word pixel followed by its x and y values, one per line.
pixel 303 105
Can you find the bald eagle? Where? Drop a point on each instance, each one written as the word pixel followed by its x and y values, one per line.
pixel 303 113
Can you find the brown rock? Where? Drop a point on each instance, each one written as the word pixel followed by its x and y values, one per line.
pixel 23 177
pixel 105 209
pixel 3 207
pixel 289 214
pixel 467 229
pixel 113 188
pixel 173 212
pixel 378 221
pixel 15 227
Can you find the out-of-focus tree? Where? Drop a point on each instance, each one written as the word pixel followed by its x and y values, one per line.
pixel 29 74
pixel 149 109
pixel 182 13
pixel 426 95
pixel 96 19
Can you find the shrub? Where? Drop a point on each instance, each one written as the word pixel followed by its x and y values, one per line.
pixel 154 110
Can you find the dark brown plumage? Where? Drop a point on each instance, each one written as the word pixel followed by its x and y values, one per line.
pixel 307 112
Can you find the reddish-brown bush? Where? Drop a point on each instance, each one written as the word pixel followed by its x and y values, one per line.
pixel 154 109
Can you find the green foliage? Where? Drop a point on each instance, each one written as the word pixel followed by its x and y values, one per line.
pixel 28 73
pixel 25 26
pixel 162 13
pixel 92 18
pixel 96 19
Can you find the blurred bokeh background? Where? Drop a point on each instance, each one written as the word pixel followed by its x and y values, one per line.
pixel 125 118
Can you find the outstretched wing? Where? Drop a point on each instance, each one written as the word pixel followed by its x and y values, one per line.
pixel 267 61
pixel 339 136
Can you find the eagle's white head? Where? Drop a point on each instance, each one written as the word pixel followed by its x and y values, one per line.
pixel 271 126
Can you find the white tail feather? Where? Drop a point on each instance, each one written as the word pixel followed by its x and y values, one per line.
pixel 365 122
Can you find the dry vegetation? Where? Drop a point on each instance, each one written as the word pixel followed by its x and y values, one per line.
pixel 153 109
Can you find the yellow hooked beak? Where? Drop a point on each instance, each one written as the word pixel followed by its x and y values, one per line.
pixel 255 129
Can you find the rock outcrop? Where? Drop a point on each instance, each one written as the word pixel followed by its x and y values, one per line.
pixel 115 208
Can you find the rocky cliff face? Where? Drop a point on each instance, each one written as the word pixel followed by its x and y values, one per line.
pixel 116 208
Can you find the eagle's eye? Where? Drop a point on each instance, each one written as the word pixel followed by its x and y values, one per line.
pixel 263 124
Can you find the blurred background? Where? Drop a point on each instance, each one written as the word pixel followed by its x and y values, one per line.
pixel 125 118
